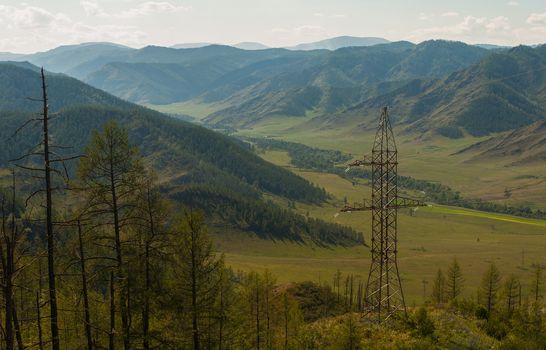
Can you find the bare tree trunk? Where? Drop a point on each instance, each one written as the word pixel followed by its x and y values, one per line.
pixel 267 317
pixel 351 294
pixel 39 318
pixel 55 343
pixel 86 312
pixel 17 328
pixel 257 315
pixel 112 333
pixel 195 329
pixel 119 273
pixel 285 299
pixel 221 325
pixel 146 311
pixel 7 288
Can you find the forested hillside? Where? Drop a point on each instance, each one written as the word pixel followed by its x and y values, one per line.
pixel 183 154
pixel 502 92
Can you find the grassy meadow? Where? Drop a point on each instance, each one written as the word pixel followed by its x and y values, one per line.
pixel 429 238
pixel 426 157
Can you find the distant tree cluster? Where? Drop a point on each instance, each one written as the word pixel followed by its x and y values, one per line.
pixel 266 219
pixel 305 157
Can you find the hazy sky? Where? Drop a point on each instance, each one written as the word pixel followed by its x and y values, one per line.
pixel 37 25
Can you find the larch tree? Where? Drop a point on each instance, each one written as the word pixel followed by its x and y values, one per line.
pixel 10 240
pixel 153 212
pixel 439 288
pixel 537 284
pixel 197 270
pixel 454 280
pixel 110 172
pixel 512 289
pixel 489 287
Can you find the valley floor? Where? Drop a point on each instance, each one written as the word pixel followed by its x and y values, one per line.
pixel 429 238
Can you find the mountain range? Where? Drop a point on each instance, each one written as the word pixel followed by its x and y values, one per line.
pixel 195 165
pixel 444 87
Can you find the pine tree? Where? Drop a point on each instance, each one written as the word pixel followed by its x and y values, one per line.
pixel 454 280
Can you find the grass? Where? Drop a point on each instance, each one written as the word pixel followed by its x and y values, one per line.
pixel 196 110
pixel 481 214
pixel 429 238
pixel 430 158
pixel 423 157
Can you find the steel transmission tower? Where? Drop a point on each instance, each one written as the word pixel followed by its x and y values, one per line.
pixel 384 295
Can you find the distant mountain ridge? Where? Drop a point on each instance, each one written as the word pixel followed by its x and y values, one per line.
pixel 160 75
pixel 249 45
pixel 437 85
pixel 504 91
pixel 339 42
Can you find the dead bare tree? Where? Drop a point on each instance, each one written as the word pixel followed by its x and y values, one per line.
pixel 44 151
pixel 87 315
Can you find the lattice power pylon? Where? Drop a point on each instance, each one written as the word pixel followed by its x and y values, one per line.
pixel 384 296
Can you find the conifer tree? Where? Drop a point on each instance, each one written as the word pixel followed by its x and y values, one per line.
pixel 537 284
pixel 489 287
pixel 454 280
pixel 439 288
pixel 197 270
pixel 110 173
pixel 512 288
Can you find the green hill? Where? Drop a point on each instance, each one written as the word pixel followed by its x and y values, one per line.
pixel 186 156
pixel 504 91
pixel 334 81
pixel 159 75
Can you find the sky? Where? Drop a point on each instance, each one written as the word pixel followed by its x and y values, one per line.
pixel 39 25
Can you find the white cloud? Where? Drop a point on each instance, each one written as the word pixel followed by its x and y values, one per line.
pixel 302 33
pixel 92 8
pixel 468 25
pixel 280 30
pixel 37 28
pixel 485 29
pixel 423 16
pixel 537 18
pixel 334 15
pixel 30 17
pixel 308 29
pixel 450 14
pixel 513 3
pixel 498 23
pixel 151 7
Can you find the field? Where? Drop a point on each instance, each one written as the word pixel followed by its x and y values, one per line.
pixel 423 157
pixel 429 238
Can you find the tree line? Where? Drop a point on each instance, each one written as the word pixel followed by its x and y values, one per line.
pixel 332 161
pixel 105 260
